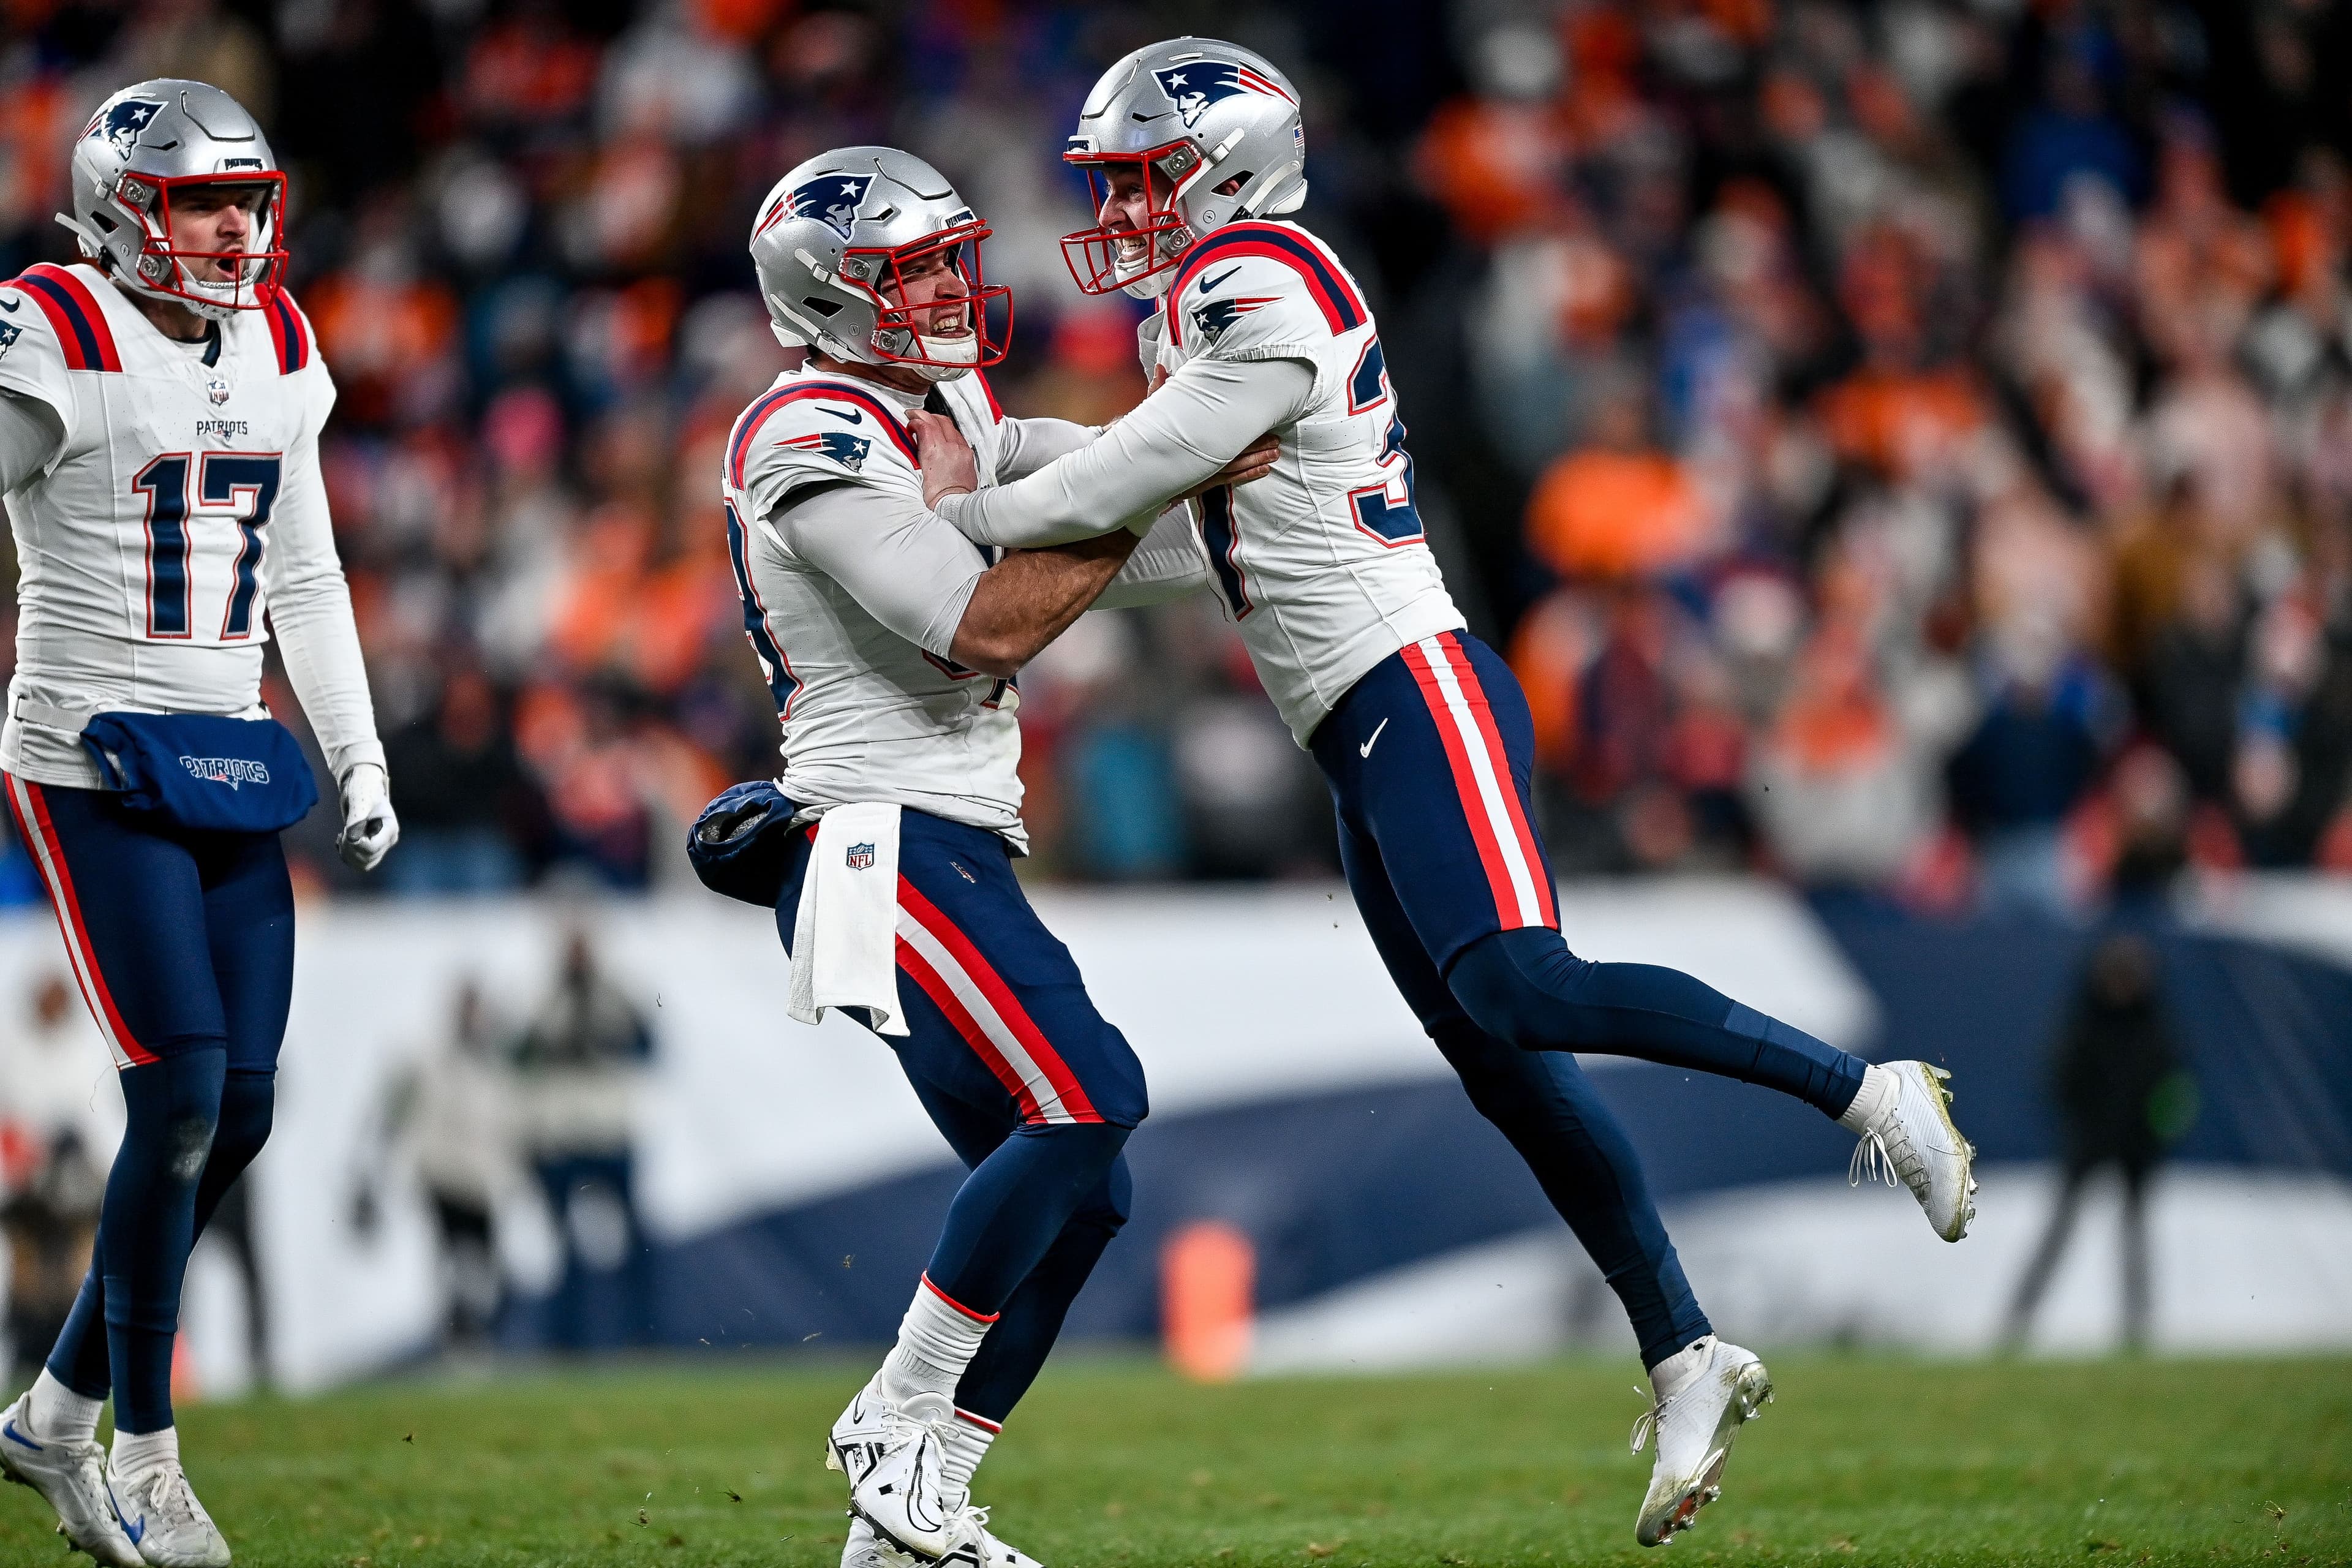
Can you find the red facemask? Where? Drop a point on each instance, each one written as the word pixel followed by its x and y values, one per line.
pixel 1093 255
pixel 151 197
pixel 888 281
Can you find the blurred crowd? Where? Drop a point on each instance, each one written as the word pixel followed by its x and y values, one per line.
pixel 1902 445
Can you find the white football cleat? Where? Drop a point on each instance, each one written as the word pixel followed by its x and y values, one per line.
pixel 974 1548
pixel 869 1425
pixel 161 1515
pixel 1694 1428
pixel 70 1476
pixel 1913 1140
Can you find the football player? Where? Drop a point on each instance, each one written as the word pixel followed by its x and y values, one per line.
pixel 160 408
pixel 890 643
pixel 1195 151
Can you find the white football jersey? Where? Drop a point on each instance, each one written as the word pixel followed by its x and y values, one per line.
pixel 185 496
pixel 867 715
pixel 1322 563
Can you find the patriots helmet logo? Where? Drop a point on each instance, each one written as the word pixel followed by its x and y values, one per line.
pixel 1193 87
pixel 831 199
pixel 847 450
pixel 121 124
pixel 861 857
pixel 1213 316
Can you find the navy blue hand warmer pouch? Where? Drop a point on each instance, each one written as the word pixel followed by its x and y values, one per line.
pixel 740 844
pixel 205 771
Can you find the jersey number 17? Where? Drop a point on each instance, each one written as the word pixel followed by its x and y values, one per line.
pixel 234 490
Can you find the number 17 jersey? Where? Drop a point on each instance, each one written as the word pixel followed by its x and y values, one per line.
pixel 185 489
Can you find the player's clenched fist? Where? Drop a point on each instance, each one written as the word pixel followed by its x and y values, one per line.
pixel 369 829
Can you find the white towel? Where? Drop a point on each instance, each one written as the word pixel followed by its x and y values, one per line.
pixel 845 930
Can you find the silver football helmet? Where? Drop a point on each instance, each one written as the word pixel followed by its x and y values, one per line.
pixel 840 239
pixel 147 143
pixel 1212 129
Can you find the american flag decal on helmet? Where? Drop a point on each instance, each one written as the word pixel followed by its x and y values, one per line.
pixel 1193 87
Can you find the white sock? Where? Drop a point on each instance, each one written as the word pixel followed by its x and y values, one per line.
pixel 1667 1378
pixel 1877 1093
pixel 57 1411
pixel 967 1438
pixel 937 1340
pixel 135 1452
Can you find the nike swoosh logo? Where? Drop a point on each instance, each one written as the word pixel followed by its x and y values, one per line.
pixel 9 1430
pixel 850 415
pixel 1209 285
pixel 132 1529
pixel 1366 749
pixel 11 302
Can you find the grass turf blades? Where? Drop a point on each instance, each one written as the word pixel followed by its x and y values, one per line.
pixel 1862 1460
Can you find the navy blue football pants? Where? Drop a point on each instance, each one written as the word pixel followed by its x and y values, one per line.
pixel 1428 759
pixel 183 946
pixel 1034 1090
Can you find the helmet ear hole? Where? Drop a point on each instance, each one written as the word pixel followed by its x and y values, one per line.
pixel 821 307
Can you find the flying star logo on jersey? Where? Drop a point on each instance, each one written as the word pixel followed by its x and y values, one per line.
pixel 1213 316
pixel 9 335
pixel 1193 87
pixel 122 124
pixel 831 200
pixel 861 857
pixel 847 450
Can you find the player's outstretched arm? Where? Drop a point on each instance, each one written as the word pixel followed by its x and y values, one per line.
pixel 1177 441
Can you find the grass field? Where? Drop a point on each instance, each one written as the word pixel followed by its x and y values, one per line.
pixel 1862 1460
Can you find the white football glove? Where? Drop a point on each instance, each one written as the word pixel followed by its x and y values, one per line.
pixel 369 829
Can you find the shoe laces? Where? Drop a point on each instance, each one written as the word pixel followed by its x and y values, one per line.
pixel 1647 1423
pixel 171 1496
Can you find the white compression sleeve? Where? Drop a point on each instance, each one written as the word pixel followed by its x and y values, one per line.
pixel 1199 420
pixel 310 614
pixel 30 434
pixel 1168 564
pixel 1031 443
pixel 901 562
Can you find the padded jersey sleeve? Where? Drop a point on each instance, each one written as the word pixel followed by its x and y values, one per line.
pixel 904 564
pixel 805 434
pixel 31 437
pixel 1198 420
pixel 32 362
pixel 309 601
pixel 1258 291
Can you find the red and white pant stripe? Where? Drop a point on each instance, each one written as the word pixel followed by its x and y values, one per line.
pixel 1514 869
pixel 951 972
pixel 40 837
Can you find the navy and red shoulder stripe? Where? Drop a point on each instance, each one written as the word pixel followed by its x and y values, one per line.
pixel 739 446
pixel 74 316
pixel 1343 308
pixel 290 334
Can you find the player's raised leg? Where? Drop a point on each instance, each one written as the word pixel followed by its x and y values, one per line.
pixel 1543 1104
pixel 1038 1094
pixel 1443 791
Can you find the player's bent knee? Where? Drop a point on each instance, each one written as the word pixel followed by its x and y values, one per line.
pixel 1515 985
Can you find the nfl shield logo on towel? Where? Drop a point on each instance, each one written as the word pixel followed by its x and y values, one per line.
pixel 861 857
